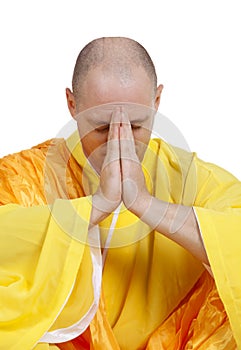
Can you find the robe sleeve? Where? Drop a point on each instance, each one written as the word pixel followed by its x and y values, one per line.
pixel 41 250
pixel 218 211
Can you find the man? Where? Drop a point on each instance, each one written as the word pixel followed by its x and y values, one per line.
pixel 150 215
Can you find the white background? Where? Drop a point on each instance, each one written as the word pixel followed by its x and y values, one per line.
pixel 195 46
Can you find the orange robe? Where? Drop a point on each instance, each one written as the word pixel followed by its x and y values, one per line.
pixel 154 294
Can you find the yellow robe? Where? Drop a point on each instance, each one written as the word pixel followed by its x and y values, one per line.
pixel 152 294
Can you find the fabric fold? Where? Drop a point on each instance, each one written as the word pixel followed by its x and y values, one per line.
pixel 221 231
pixel 30 304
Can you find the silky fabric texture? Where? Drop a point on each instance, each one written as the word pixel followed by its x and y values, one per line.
pixel 42 250
pixel 128 317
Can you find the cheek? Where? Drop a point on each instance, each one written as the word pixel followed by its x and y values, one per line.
pixel 92 142
pixel 141 141
pixel 142 136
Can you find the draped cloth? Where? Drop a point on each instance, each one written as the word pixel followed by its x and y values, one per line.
pixel 148 293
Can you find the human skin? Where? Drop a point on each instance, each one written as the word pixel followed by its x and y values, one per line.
pixel 105 89
pixel 119 160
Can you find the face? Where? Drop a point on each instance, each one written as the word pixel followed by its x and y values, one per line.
pixel 101 95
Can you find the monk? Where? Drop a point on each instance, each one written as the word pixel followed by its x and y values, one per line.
pixel 112 239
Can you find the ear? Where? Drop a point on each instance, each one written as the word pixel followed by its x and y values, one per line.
pixel 71 102
pixel 158 96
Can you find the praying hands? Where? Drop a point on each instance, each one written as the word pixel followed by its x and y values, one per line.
pixel 122 180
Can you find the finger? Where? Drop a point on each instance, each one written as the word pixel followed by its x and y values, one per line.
pixel 115 124
pixel 126 126
pixel 113 144
pixel 127 142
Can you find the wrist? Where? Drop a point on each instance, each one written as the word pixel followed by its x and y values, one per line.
pixel 142 205
pixel 101 208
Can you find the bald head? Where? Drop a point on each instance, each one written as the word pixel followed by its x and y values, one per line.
pixel 116 56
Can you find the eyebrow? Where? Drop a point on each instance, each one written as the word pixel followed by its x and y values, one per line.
pixel 134 121
pixel 100 122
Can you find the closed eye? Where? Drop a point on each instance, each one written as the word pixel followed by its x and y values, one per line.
pixel 135 126
pixel 103 128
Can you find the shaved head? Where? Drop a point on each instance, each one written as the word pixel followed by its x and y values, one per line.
pixel 117 56
pixel 113 73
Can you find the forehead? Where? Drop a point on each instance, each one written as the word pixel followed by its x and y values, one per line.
pixel 101 87
pixel 102 114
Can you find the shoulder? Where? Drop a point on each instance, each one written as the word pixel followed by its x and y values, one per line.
pixel 209 183
pixel 213 170
pixel 12 163
pixel 178 155
pixel 21 173
pixel 174 156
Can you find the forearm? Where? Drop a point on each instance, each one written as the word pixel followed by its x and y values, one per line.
pixel 177 222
